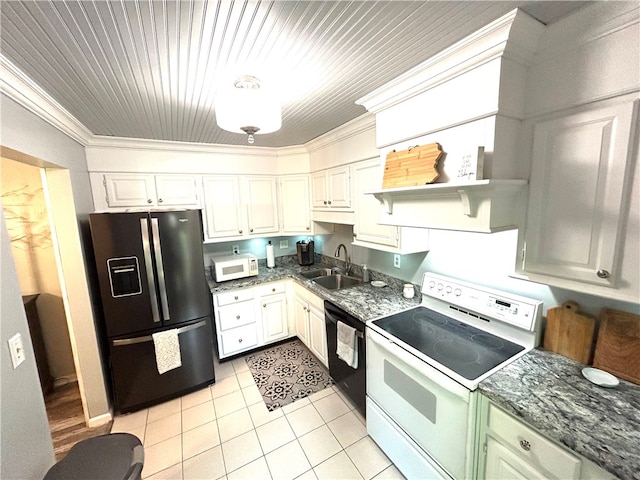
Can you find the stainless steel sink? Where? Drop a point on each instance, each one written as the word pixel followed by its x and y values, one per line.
pixel 318 272
pixel 337 282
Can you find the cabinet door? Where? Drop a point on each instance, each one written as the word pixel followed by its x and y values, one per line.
pixel 301 314
pixel 318 335
pixel 579 195
pixel 130 190
pixel 296 208
pixel 176 190
pixel 339 185
pixel 503 464
pixel 319 192
pixel 222 207
pixel 367 176
pixel 274 317
pixel 261 197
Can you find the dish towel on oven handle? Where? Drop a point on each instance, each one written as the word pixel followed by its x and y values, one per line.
pixel 167 346
pixel 347 345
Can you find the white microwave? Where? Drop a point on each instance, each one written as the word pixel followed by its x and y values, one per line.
pixel 231 267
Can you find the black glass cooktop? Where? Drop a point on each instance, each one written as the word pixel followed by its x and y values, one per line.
pixel 466 350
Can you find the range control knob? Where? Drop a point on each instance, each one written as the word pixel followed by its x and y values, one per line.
pixel 457 292
pixel 440 286
pixel 432 284
pixel 448 289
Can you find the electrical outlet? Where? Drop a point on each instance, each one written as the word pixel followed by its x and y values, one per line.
pixel 396 260
pixel 17 350
pixel 284 243
pixel 236 249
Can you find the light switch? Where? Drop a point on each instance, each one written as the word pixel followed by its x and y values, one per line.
pixel 16 349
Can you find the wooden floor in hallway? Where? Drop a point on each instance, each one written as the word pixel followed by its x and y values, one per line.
pixel 66 419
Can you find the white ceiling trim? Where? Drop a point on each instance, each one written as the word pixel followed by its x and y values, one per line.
pixel 20 88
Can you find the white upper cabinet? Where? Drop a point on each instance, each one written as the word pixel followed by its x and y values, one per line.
pixel 261 197
pixel 222 207
pixel 367 231
pixel 239 207
pixel 295 206
pixel 131 190
pixel 580 195
pixel 331 188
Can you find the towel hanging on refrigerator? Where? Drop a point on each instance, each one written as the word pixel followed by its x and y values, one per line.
pixel 347 345
pixel 167 346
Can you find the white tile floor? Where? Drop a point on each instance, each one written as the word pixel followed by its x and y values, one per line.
pixel 225 432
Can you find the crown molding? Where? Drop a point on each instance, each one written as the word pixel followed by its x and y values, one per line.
pixel 343 132
pixel 20 88
pixel 514 36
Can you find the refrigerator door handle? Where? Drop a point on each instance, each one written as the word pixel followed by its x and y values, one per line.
pixel 148 263
pixel 149 338
pixel 157 249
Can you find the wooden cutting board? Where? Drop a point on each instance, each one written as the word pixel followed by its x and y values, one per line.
pixel 414 166
pixel 569 333
pixel 618 344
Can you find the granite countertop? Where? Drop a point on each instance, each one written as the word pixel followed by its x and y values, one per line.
pixel 364 302
pixel 548 392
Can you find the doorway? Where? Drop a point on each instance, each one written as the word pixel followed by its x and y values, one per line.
pixel 31 223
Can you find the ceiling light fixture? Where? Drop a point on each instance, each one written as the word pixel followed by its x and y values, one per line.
pixel 247 108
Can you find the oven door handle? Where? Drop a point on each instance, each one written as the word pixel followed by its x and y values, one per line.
pixel 422 367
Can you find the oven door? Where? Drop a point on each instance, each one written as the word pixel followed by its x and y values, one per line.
pixel 437 413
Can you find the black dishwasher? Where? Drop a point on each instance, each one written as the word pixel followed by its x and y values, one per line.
pixel 351 381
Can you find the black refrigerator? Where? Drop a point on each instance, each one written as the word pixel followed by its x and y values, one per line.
pixel 151 275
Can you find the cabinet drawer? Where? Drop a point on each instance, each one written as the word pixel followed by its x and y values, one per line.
pixel 234 296
pixel 239 339
pixel 271 289
pixel 530 445
pixel 233 316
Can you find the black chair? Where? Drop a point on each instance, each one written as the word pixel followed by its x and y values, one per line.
pixel 115 456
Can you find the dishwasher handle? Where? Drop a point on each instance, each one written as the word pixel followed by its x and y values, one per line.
pixel 333 319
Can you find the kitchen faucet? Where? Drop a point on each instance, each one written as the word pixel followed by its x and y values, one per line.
pixel 347 265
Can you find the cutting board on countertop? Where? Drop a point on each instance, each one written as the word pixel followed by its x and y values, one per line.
pixel 618 344
pixel 412 167
pixel 569 332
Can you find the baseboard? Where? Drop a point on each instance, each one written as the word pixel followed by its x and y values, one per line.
pixel 100 420
pixel 65 380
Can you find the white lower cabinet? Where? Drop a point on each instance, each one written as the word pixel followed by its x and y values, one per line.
pixel 308 315
pixel 247 318
pixel 236 327
pixel 510 449
pixel 272 302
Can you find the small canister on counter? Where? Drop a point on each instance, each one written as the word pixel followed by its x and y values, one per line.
pixel 408 291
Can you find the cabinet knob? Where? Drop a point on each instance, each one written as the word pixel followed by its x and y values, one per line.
pixel 355 235
pixel 149 200
pixel 264 305
pixel 240 231
pixel 237 317
pixel 235 298
pixel 273 289
pixel 325 202
pixel 526 446
pixel 239 340
pixel 308 227
pixel 159 200
pixel 251 230
pixel 603 274
pixel 329 202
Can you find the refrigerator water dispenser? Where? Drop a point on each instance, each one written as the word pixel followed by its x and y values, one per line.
pixel 124 276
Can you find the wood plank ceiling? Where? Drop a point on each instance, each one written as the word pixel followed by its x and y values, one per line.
pixel 149 69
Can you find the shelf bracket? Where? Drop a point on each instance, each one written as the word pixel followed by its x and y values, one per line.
pixel 386 201
pixel 469 203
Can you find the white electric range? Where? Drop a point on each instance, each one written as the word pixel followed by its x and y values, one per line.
pixel 425 363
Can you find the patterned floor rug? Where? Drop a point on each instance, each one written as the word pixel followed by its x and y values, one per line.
pixel 286 373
